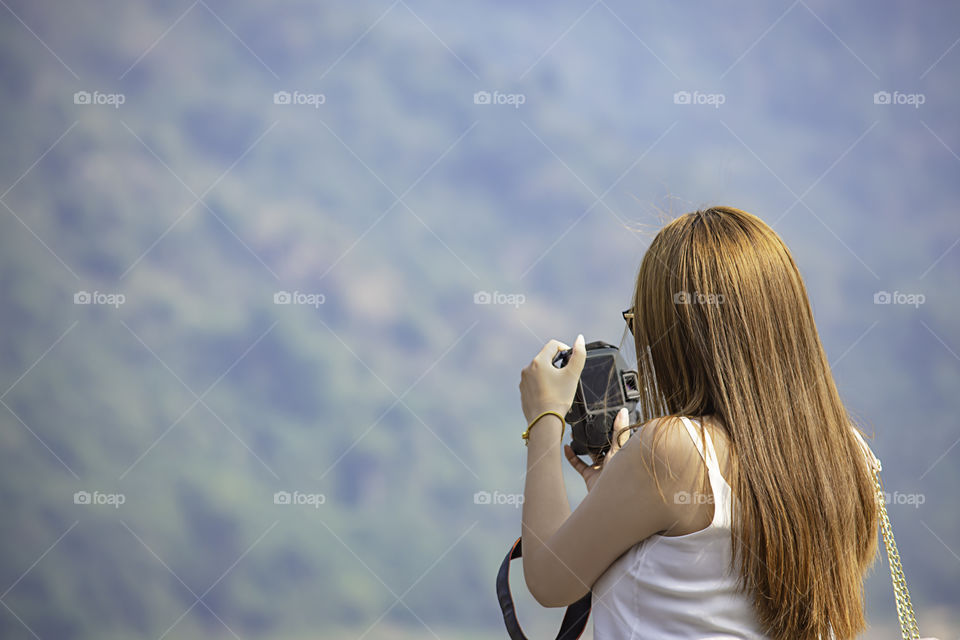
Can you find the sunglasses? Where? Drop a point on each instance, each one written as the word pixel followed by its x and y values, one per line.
pixel 628 318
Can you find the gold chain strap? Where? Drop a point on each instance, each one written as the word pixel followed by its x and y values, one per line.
pixel 908 622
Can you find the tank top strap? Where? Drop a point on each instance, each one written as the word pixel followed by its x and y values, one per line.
pixel 718 486
pixel 710 455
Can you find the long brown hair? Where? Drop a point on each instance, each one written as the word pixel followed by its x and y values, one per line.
pixel 723 327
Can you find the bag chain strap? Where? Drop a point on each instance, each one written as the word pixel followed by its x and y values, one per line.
pixel 908 622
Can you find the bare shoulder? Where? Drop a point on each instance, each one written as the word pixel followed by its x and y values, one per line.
pixel 664 451
pixel 664 447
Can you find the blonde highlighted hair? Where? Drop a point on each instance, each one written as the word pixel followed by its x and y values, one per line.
pixel 723 327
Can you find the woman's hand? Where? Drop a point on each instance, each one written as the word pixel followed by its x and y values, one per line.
pixel 590 473
pixel 543 387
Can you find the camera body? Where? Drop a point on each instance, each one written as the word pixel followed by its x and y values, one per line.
pixel 606 385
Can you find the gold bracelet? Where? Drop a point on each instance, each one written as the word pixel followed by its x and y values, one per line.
pixel 526 434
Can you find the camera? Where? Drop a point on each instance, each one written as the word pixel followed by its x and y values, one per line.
pixel 605 386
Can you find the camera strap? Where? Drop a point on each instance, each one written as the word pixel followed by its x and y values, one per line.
pixel 574 620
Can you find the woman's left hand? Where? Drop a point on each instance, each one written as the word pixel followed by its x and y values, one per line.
pixel 543 387
pixel 590 473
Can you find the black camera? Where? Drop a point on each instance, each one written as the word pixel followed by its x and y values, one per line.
pixel 606 385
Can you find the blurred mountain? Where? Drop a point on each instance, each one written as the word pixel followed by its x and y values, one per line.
pixel 382 197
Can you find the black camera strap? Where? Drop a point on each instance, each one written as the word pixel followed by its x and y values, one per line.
pixel 574 620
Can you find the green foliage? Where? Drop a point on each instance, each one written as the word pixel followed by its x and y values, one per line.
pixel 199 398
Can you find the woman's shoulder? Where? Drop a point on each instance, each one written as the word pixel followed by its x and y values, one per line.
pixel 666 450
pixel 662 448
pixel 668 440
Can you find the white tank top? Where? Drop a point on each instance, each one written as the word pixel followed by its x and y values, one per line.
pixel 678 587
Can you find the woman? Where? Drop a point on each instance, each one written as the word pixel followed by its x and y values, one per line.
pixel 745 506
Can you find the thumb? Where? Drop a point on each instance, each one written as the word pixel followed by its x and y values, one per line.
pixel 622 420
pixel 579 355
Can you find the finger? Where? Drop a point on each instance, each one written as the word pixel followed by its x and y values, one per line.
pixel 579 355
pixel 549 350
pixel 622 420
pixel 574 459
